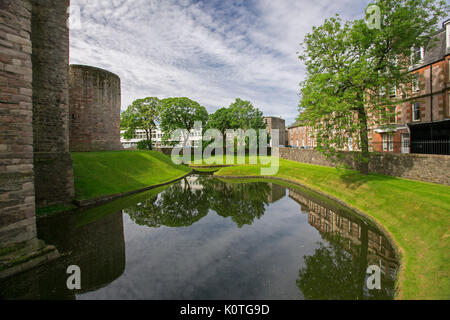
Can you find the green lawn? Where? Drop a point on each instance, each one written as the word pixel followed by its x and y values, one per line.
pixel 105 173
pixel 416 214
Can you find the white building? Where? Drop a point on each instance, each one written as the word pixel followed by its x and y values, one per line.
pixel 157 134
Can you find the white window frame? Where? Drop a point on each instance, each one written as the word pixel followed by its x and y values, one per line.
pixel 415 82
pixel 414 52
pixel 388 142
pixel 405 143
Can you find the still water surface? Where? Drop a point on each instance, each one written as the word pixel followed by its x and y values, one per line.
pixel 202 238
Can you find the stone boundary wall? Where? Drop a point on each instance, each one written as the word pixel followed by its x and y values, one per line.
pixel 427 168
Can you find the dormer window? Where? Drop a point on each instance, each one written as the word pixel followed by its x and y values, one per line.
pixel 417 55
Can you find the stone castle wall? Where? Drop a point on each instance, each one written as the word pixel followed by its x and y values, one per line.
pixel 17 219
pixel 427 168
pixel 52 162
pixel 95 103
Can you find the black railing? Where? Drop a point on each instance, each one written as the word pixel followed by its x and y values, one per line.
pixel 431 147
pixel 418 147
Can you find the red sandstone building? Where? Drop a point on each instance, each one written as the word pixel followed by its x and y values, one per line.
pixel 300 136
pixel 422 122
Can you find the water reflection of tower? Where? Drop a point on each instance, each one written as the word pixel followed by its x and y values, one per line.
pixel 334 221
pixel 98 248
pixel 276 193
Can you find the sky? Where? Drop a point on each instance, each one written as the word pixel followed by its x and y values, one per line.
pixel 209 51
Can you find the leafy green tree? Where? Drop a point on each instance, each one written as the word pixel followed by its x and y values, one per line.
pixel 181 113
pixel 240 114
pixel 143 114
pixel 243 115
pixel 349 66
pixel 220 120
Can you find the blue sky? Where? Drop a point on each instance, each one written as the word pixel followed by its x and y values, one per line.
pixel 210 51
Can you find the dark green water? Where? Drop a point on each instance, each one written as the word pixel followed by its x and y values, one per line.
pixel 202 238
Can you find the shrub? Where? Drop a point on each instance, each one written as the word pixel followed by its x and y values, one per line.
pixel 144 145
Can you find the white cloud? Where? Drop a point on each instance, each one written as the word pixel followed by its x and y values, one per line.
pixel 212 51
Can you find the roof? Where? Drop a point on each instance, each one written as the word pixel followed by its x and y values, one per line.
pixel 435 51
pixel 296 124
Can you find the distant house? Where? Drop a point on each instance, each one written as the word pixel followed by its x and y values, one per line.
pixel 422 123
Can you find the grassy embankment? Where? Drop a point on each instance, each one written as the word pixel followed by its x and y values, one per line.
pixel 416 214
pixel 99 174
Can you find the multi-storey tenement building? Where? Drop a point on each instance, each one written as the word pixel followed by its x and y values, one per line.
pixel 300 136
pixel 422 121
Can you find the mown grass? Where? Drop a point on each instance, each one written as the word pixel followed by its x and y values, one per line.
pixel 416 214
pixel 105 173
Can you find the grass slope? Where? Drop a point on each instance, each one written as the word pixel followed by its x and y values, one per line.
pixel 105 173
pixel 416 214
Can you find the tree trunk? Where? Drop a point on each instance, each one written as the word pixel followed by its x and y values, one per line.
pixel 364 138
pixel 149 138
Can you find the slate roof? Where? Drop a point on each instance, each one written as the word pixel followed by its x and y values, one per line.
pixel 436 51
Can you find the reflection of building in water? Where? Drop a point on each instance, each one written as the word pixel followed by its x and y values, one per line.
pixel 329 221
pixel 277 192
pixel 97 248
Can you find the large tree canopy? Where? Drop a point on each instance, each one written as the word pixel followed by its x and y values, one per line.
pixel 243 115
pixel 143 114
pixel 181 113
pixel 350 67
pixel 240 114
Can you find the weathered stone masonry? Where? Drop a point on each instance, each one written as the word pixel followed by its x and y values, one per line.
pixel 95 102
pixel 17 220
pixel 17 190
pixel 52 162
pixel 35 163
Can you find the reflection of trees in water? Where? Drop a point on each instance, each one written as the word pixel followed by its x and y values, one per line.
pixel 335 273
pixel 337 270
pixel 180 205
pixel 187 202
pixel 331 273
pixel 242 202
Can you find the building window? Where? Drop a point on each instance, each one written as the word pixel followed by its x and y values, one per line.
pixel 392 91
pixel 416 111
pixel 416 55
pixel 388 142
pixel 416 82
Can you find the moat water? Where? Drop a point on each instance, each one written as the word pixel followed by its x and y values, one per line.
pixel 203 238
